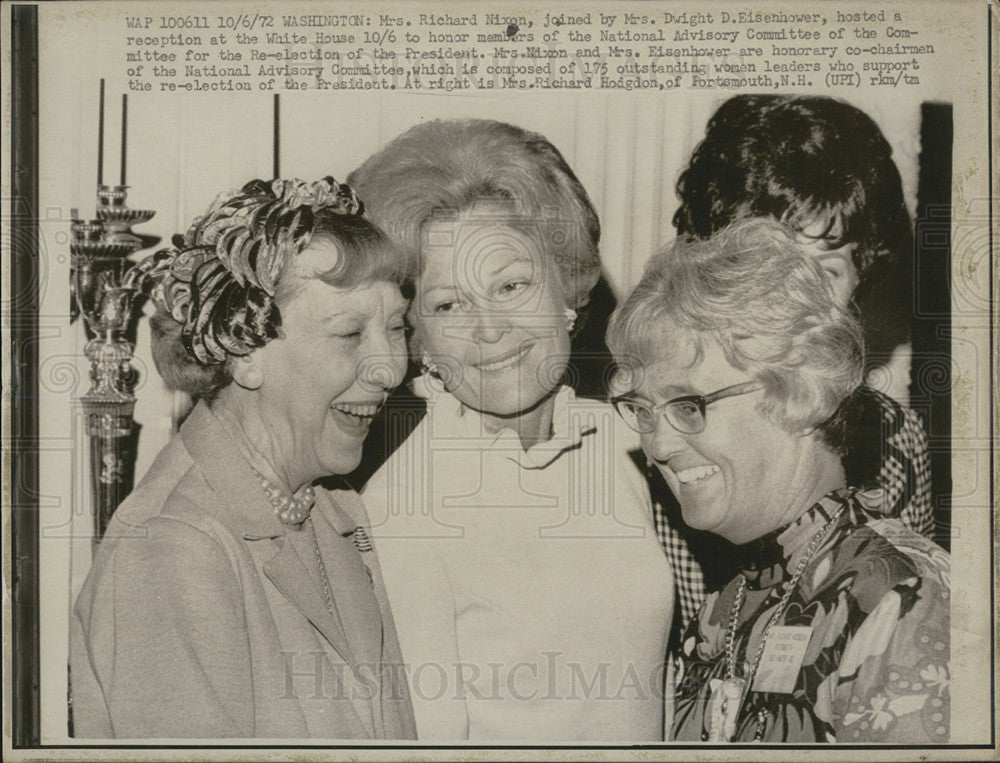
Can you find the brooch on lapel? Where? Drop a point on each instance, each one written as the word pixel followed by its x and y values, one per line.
pixel 360 539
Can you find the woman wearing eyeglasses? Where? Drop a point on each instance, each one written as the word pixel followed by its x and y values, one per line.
pixel 738 368
pixel 822 167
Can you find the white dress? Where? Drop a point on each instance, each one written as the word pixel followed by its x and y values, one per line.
pixel 530 594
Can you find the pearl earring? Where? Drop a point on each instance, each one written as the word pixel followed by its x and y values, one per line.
pixel 253 378
pixel 570 314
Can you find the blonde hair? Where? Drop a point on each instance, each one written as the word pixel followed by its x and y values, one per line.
pixel 451 164
pixel 751 289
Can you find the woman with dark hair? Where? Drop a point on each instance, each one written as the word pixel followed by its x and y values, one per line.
pixel 823 168
pixel 229 597
pixel 737 365
pixel 515 532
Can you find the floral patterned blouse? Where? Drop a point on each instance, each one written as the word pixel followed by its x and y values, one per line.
pixel 875 663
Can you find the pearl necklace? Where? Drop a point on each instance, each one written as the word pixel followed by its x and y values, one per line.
pixel 291 509
pixel 728 697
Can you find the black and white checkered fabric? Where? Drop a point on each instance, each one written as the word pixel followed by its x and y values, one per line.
pixel 688 575
pixel 904 476
pixel 906 468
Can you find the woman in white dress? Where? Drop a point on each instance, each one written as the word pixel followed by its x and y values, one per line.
pixel 513 527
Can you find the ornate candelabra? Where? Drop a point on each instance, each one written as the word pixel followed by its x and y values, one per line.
pixel 102 281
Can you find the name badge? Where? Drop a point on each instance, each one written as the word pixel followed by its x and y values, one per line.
pixel 783 654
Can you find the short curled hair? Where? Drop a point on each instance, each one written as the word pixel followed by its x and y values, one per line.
pixel 749 288
pixel 204 321
pixel 802 160
pixel 449 165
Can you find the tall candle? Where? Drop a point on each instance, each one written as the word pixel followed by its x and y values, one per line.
pixel 100 138
pixel 124 132
pixel 277 136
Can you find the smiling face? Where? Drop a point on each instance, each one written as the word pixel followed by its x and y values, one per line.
pixel 343 350
pixel 490 313
pixel 743 476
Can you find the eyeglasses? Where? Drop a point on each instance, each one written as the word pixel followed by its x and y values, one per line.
pixel 685 414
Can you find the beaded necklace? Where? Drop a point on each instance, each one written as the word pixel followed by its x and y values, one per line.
pixel 728 697
pixel 291 509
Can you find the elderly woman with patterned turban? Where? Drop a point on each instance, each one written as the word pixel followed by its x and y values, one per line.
pixel 229 597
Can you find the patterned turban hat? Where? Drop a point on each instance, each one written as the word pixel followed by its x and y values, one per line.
pixel 218 279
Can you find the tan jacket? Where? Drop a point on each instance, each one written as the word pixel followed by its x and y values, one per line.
pixel 204 617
